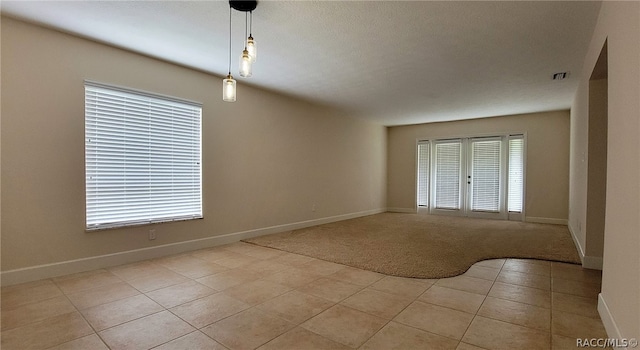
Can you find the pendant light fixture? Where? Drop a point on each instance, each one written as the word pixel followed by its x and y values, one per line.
pixel 229 84
pixel 245 59
pixel 251 43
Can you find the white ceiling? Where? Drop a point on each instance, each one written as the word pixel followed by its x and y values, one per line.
pixel 391 62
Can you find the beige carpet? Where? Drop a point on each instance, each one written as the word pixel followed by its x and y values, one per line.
pixel 424 246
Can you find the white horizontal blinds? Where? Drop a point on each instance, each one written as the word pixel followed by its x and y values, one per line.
pixel 485 175
pixel 516 173
pixel 142 155
pixel 423 174
pixel 447 174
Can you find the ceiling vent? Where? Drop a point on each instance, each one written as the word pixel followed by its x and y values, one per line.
pixel 560 76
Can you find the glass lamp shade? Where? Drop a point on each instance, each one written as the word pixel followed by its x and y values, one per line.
pixel 245 64
pixel 252 48
pixel 229 89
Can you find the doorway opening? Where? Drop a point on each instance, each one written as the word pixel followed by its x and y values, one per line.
pixel 597 157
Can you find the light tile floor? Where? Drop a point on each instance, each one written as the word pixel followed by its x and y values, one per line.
pixel 242 296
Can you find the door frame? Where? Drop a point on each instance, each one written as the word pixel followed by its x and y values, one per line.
pixel 506 215
pixel 502 213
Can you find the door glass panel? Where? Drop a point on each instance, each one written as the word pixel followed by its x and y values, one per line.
pixel 485 175
pixel 516 173
pixel 423 174
pixel 447 173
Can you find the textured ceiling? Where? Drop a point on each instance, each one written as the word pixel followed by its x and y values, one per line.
pixel 391 62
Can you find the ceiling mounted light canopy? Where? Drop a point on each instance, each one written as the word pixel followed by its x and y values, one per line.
pixel 248 54
pixel 243 6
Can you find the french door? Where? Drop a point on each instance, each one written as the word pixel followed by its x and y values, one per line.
pixel 485 179
pixel 471 176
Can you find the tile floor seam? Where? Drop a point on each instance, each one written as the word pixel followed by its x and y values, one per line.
pixel 209 324
pixel 412 301
pixel 271 314
pixel 425 331
pixel 320 335
pixel 169 341
pixel 131 320
pixel 257 310
pixel 374 334
pixel 368 313
pixel 208 336
pixel 110 301
pixel 87 322
pixel 517 324
pixel 522 302
pixel 422 330
pixel 102 339
pixel 132 286
pixel 502 321
pixel 256 347
pixel 450 308
pixel 483 300
pixel 182 319
pixel 479 347
pixel 551 316
pixel 336 341
pixel 30 323
pixel 37 301
pixel 576 314
pixel 36 321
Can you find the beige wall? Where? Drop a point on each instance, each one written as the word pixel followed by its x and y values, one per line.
pixel 597 169
pixel 618 24
pixel 267 159
pixel 588 166
pixel 547 172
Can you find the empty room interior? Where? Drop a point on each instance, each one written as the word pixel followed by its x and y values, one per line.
pixel 320 175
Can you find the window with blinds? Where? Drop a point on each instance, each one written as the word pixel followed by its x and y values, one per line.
pixel 142 157
pixel 485 175
pixel 447 174
pixel 423 174
pixel 516 174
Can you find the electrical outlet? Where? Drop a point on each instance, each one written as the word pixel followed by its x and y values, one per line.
pixel 152 234
pixel 313 207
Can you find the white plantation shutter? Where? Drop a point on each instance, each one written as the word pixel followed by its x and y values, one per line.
pixel 447 174
pixel 142 157
pixel 516 173
pixel 423 174
pixel 485 175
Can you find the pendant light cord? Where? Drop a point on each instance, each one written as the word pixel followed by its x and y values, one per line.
pixel 250 23
pixel 229 40
pixel 246 20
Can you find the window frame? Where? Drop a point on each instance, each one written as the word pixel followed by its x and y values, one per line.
pixel 180 178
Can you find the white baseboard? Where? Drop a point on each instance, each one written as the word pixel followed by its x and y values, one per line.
pixel 607 320
pixel 34 273
pixel 552 221
pixel 576 241
pixel 588 262
pixel 592 262
pixel 402 210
